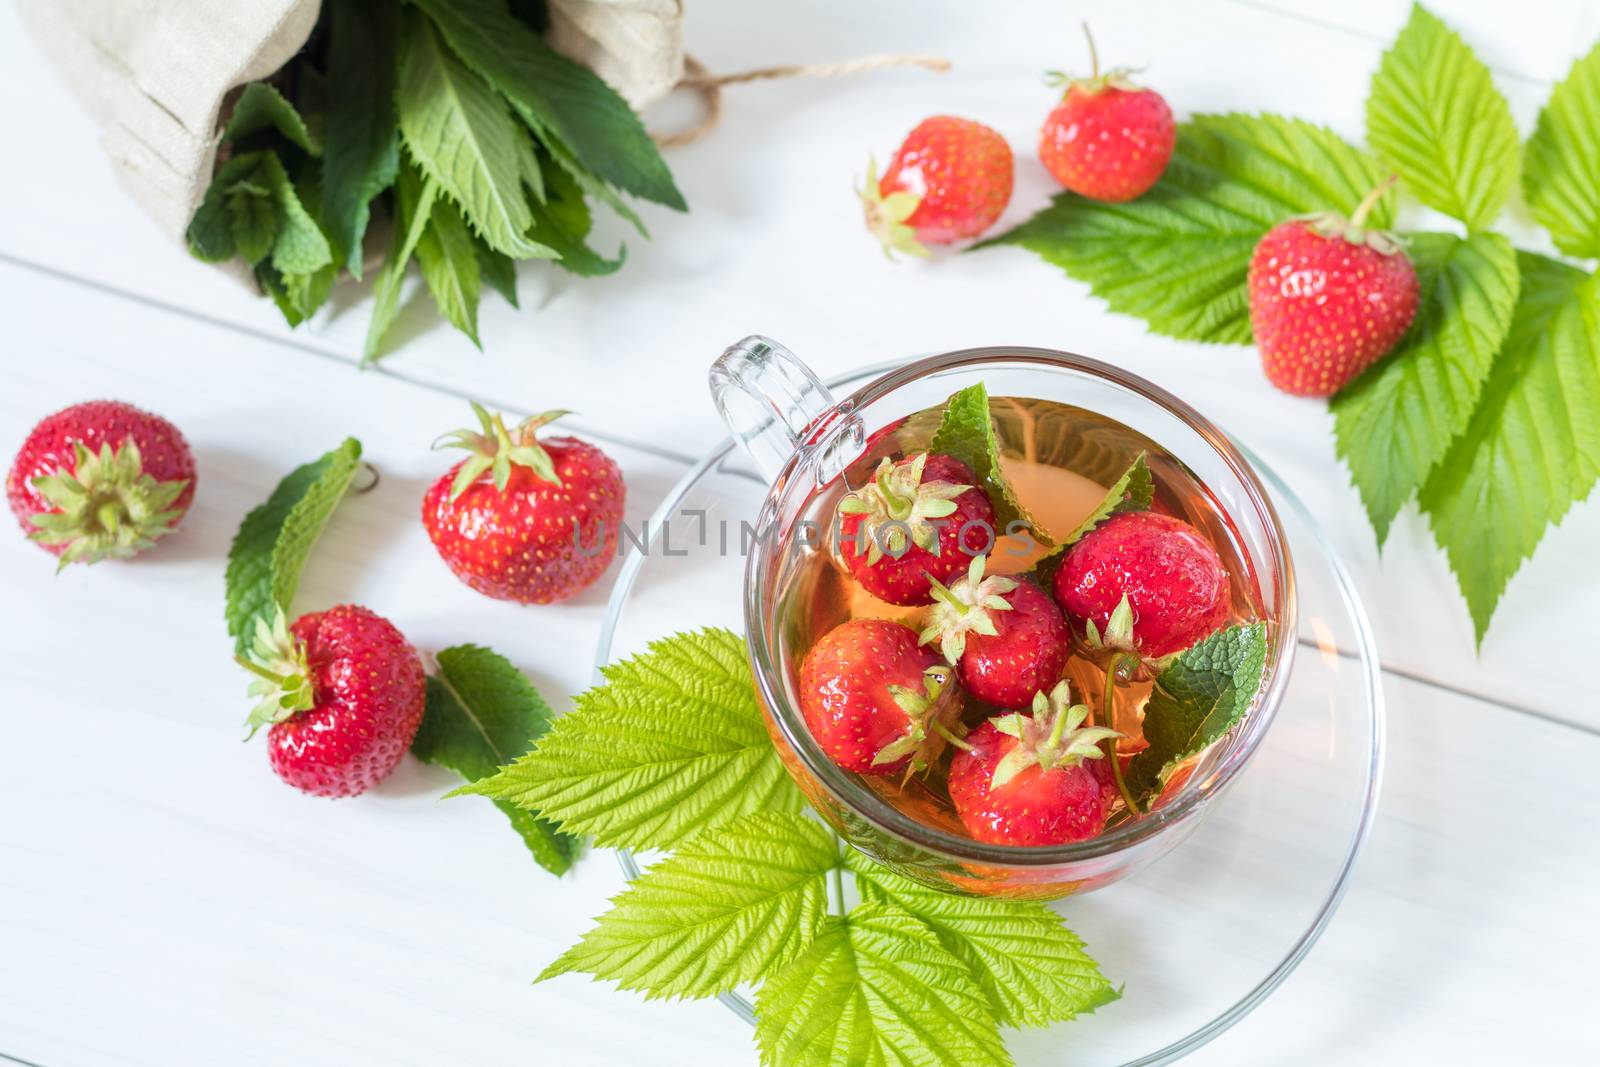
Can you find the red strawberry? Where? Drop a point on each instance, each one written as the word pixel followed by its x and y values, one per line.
pixel 344 694
pixel 918 520
pixel 1023 779
pixel 1108 139
pixel 1328 298
pixel 873 698
pixel 525 519
pixel 1009 637
pixel 1144 583
pixel 951 178
pixel 101 479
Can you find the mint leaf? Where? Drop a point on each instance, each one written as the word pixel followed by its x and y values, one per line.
pixel 297 295
pixel 414 198
pixel 210 232
pixel 1394 423
pixel 363 152
pixel 1197 699
pixel 462 135
pixel 497 270
pixel 562 222
pixel 1562 159
pixel 261 107
pixel 1436 117
pixel 1132 491
pixel 1178 256
pixel 482 712
pixel 1532 447
pixel 876 987
pixel 300 246
pixel 673 743
pixel 967 432
pixel 561 100
pixel 275 538
pixel 449 265
pixel 253 209
pixel 1031 968
pixel 732 904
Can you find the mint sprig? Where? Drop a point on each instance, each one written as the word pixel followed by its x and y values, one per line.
pixel 1488 425
pixel 966 431
pixel 1196 699
pixel 275 539
pixel 1133 490
pixel 481 713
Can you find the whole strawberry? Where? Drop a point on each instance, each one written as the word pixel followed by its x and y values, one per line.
pixel 522 518
pixel 1008 637
pixel 101 480
pixel 1144 584
pixel 343 693
pixel 1328 298
pixel 1026 779
pixel 951 178
pixel 873 699
pixel 919 520
pixel 1108 139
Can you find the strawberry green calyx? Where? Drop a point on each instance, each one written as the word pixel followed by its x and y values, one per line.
pixel 496 448
pixel 108 507
pixel 1118 639
pixel 887 215
pixel 282 680
pixel 1354 229
pixel 897 503
pixel 923 708
pixel 1053 736
pixel 1096 82
pixel 966 606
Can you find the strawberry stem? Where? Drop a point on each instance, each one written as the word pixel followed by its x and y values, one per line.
pixel 939 728
pixel 1094 55
pixel 1109 745
pixel 1370 201
pixel 837 877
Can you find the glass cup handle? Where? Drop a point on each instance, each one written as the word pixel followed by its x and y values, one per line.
pixel 771 401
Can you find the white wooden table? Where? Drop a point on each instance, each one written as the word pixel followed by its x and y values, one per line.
pixel 165 900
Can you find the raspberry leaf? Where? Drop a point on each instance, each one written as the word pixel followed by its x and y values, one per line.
pixel 363 151
pixel 1562 159
pixel 1435 116
pixel 877 987
pixel 481 713
pixel 261 107
pixel 1395 422
pixel 275 539
pixel 1197 698
pixel 671 744
pixel 967 432
pixel 1532 447
pixel 732 904
pixel 1133 490
pixel 462 135
pixel 449 265
pixel 1178 256
pixel 1032 969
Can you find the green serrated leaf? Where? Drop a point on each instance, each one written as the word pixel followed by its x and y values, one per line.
pixel 561 100
pixel 1532 448
pixel 673 743
pixel 297 295
pixel 732 904
pixel 1196 699
pixel 1562 160
pixel 254 213
pixel 210 232
pixel 498 271
pixel 414 197
pixel 562 222
pixel 261 107
pixel 1178 256
pixel 1133 490
pixel 876 988
pixel 363 153
pixel 461 133
pixel 481 713
pixel 1395 422
pixel 449 265
pixel 1031 968
pixel 300 246
pixel 1435 116
pixel 275 538
pixel 966 432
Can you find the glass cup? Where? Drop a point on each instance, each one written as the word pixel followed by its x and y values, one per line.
pixel 804 440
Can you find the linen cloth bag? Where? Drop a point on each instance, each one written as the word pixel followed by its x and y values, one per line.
pixel 160 76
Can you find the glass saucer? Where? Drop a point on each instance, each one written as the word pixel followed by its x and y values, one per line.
pixel 1202 935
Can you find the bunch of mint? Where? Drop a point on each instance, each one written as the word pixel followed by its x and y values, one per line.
pixel 479 143
pixel 1486 412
